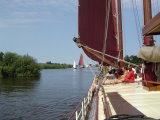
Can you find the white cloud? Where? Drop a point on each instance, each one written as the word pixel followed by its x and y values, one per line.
pixel 25 12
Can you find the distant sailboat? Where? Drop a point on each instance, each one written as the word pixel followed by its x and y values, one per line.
pixel 74 65
pixel 81 62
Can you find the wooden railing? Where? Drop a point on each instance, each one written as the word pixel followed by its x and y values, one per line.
pixel 82 109
pixel 97 105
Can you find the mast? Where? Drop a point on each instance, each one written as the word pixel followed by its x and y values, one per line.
pixel 147 11
pixel 148 40
pixel 149 73
pixel 120 32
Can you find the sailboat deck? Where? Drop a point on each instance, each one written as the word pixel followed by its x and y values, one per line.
pixel 146 102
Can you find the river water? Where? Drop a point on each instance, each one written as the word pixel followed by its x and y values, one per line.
pixel 53 96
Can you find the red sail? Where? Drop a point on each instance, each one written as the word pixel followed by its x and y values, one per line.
pixel 91 21
pixel 81 63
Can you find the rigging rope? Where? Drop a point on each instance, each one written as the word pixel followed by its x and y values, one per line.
pixel 158 6
pixel 106 29
pixel 79 44
pixel 124 31
pixel 136 16
pixel 155 7
pixel 93 73
pixel 139 23
pixel 155 10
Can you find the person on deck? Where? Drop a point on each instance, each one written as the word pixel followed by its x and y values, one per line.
pixel 125 73
pixel 111 74
pixel 127 78
pixel 135 73
pixel 130 77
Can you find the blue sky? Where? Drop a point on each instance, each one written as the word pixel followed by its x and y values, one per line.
pixel 44 29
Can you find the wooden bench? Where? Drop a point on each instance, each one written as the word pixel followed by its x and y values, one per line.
pixel 121 106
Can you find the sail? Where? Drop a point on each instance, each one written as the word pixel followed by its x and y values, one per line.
pixel 81 62
pixel 91 27
pixel 74 65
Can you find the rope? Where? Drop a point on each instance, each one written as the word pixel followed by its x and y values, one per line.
pixel 157 83
pixel 135 12
pixel 155 9
pixel 124 31
pixel 139 23
pixel 106 29
pixel 110 56
pixel 79 44
pixel 158 5
pixel 93 73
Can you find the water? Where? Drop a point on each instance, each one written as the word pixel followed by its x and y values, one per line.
pixel 53 96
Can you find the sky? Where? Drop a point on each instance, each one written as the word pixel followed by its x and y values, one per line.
pixel 44 29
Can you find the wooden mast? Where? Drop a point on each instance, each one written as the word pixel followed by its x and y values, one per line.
pixel 147 11
pixel 149 73
pixel 148 40
pixel 120 32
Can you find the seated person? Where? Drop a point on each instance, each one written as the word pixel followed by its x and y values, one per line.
pixel 125 73
pixel 126 77
pixel 115 73
pixel 130 78
pixel 118 73
pixel 111 74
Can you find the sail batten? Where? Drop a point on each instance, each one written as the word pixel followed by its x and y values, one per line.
pixel 92 14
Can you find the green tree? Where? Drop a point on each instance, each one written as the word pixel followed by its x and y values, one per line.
pixel 1 56
pixel 133 59
pixel 9 58
pixel 14 65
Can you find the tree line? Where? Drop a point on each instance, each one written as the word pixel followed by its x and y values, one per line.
pixel 14 65
pixel 54 66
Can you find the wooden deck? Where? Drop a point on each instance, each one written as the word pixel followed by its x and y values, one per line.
pixel 132 97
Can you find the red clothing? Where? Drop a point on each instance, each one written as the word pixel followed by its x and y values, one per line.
pixel 116 75
pixel 130 77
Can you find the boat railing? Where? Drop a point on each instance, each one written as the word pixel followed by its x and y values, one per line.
pixel 82 109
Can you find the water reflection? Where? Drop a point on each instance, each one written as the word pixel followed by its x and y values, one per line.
pixel 20 84
pixel 53 96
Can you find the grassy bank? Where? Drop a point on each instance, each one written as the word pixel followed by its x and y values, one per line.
pixel 54 66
